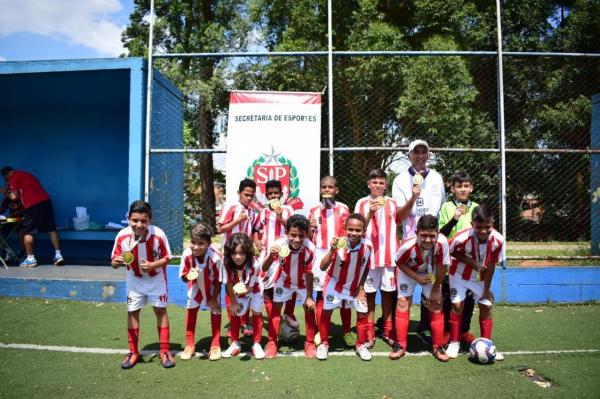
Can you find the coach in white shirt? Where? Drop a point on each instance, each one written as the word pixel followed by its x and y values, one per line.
pixel 415 198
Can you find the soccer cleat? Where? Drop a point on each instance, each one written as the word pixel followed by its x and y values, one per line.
pixel 387 339
pixel 58 260
pixel 233 350
pixel 248 331
pixel 257 351
pixel 499 356
pixel 425 337
pixel 215 353
pixel 291 320
pixel 397 351
pixel 188 352
pixel 310 350
pixel 371 343
pixel 318 338
pixel 166 358
pixel 440 353
pixel 28 263
pixel 467 338
pixel 130 360
pixel 322 351
pixel 271 350
pixel 452 349
pixel 350 339
pixel 363 353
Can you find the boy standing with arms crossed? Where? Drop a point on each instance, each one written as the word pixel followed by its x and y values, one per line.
pixel 144 250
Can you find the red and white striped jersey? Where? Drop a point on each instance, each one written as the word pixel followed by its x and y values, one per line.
pixel 487 253
pixel 210 272
pixel 271 228
pixel 154 247
pixel 249 275
pixel 381 231
pixel 347 267
pixel 291 270
pixel 233 211
pixel 330 223
pixel 411 254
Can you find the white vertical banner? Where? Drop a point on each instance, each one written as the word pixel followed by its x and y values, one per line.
pixel 275 135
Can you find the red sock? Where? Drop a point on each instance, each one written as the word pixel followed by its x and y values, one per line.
pixel 290 306
pixel 362 327
pixel 257 326
pixel 402 321
pixel 268 305
pixel 370 330
pixel 319 307
pixel 455 326
pixel 215 324
pixel 244 318
pixel 163 339
pixel 234 328
pixel 346 315
pixel 387 328
pixel 436 321
pixel 273 328
pixel 309 322
pixel 133 335
pixel 325 325
pixel 486 327
pixel 191 315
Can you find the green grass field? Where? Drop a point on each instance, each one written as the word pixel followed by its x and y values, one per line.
pixel 40 373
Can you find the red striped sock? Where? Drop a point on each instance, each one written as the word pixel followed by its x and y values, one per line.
pixel 362 327
pixel 310 324
pixel 436 321
pixel 486 327
pixel 273 328
pixel 234 328
pixel 257 326
pixel 455 326
pixel 325 326
pixel 191 315
pixel 163 339
pixel 133 335
pixel 402 322
pixel 346 315
pixel 215 324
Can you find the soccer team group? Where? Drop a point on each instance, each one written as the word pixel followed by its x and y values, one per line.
pixel 331 259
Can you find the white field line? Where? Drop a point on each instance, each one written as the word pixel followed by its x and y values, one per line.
pixel 104 351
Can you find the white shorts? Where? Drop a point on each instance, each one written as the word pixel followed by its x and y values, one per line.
pixel 137 301
pixel 283 294
pixel 459 287
pixel 254 301
pixel 193 294
pixel 406 286
pixel 381 278
pixel 318 274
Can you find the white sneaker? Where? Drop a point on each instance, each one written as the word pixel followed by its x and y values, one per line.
pixel 363 352
pixel 317 339
pixel 258 351
pixel 292 322
pixel 499 356
pixel 322 351
pixel 233 350
pixel 452 349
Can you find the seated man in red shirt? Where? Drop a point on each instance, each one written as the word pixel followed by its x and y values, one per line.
pixel 38 214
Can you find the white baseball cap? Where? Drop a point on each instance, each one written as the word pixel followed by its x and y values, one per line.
pixel 416 143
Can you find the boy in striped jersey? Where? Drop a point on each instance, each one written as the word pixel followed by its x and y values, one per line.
pixel 422 260
pixel 327 220
pixel 144 250
pixel 476 251
pixel 346 265
pixel 201 268
pixel 381 214
pixel 292 257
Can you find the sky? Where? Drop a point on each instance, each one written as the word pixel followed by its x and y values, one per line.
pixel 62 29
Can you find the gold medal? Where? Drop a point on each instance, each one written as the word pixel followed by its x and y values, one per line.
pixel 256 250
pixel 128 257
pixel 275 204
pixel 418 179
pixel 381 201
pixel 240 289
pixel 341 243
pixel 284 251
pixel 192 274
pixel 431 277
pixel 326 196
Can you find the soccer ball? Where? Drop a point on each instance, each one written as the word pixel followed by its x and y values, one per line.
pixel 287 333
pixel 482 351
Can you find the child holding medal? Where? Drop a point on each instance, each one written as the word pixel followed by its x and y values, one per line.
pixel 201 269
pixel 476 252
pixel 382 217
pixel 243 290
pixel 422 260
pixel 327 220
pixel 347 266
pixel 293 258
pixel 144 250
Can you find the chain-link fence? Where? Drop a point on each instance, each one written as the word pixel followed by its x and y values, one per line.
pixel 382 102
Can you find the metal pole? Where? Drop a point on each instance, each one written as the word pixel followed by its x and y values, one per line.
pixel 148 106
pixel 501 128
pixel 330 84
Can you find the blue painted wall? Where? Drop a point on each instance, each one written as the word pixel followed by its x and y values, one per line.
pixel 512 285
